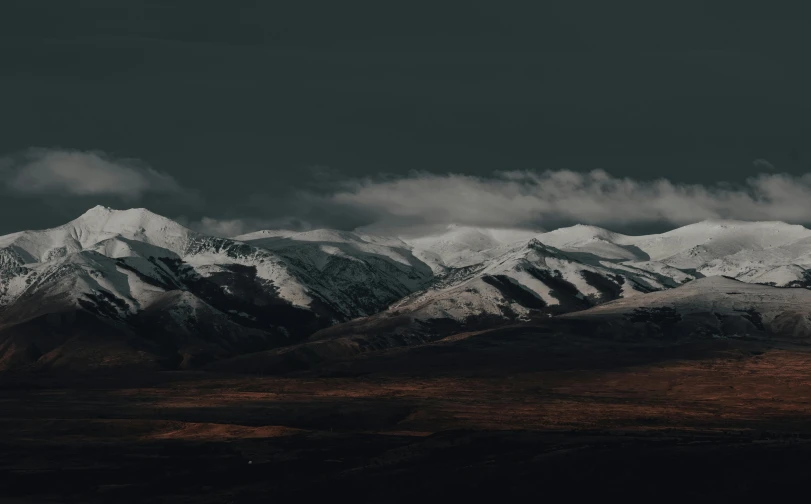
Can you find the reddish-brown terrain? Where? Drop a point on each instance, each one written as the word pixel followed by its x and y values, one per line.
pixel 505 414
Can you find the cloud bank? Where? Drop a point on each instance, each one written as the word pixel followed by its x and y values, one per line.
pixel 425 202
pixel 82 173
pixel 548 199
pixel 229 228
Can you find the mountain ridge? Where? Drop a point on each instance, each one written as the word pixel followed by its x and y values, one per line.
pixel 154 281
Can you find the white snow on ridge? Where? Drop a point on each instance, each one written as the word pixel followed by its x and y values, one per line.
pixel 333 242
pixel 589 259
pixel 94 226
pixel 148 244
pixel 579 234
pixel 462 246
pixel 745 250
pixel 462 272
pixel 716 295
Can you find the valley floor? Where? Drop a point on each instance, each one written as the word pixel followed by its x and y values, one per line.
pixel 703 420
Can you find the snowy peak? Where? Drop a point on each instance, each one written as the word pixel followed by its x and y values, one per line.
pixel 463 246
pixel 360 273
pixel 475 238
pixel 137 223
pixel 101 218
pixel 98 210
pixel 719 236
pixel 456 239
pixel 580 233
pixel 94 226
pixel 723 237
pixel 767 252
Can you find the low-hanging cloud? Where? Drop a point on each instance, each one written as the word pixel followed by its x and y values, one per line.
pixel 82 173
pixel 229 228
pixel 544 199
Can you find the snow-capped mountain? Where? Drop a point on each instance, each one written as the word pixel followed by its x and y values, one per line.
pixel 775 253
pixel 462 246
pixel 520 281
pixel 717 307
pixel 200 297
pixel 361 273
pixel 150 291
pixel 578 267
pixel 530 276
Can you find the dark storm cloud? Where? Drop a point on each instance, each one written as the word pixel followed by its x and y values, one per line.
pixel 237 99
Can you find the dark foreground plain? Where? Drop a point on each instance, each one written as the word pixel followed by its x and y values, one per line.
pixel 500 415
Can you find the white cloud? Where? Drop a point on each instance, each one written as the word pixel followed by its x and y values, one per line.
pixel 229 228
pixel 221 227
pixel 82 173
pixel 535 199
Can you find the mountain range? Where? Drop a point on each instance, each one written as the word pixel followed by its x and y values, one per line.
pixel 119 288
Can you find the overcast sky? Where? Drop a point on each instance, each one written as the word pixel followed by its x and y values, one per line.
pixel 233 115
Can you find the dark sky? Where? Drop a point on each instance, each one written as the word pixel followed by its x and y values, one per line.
pixel 237 100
